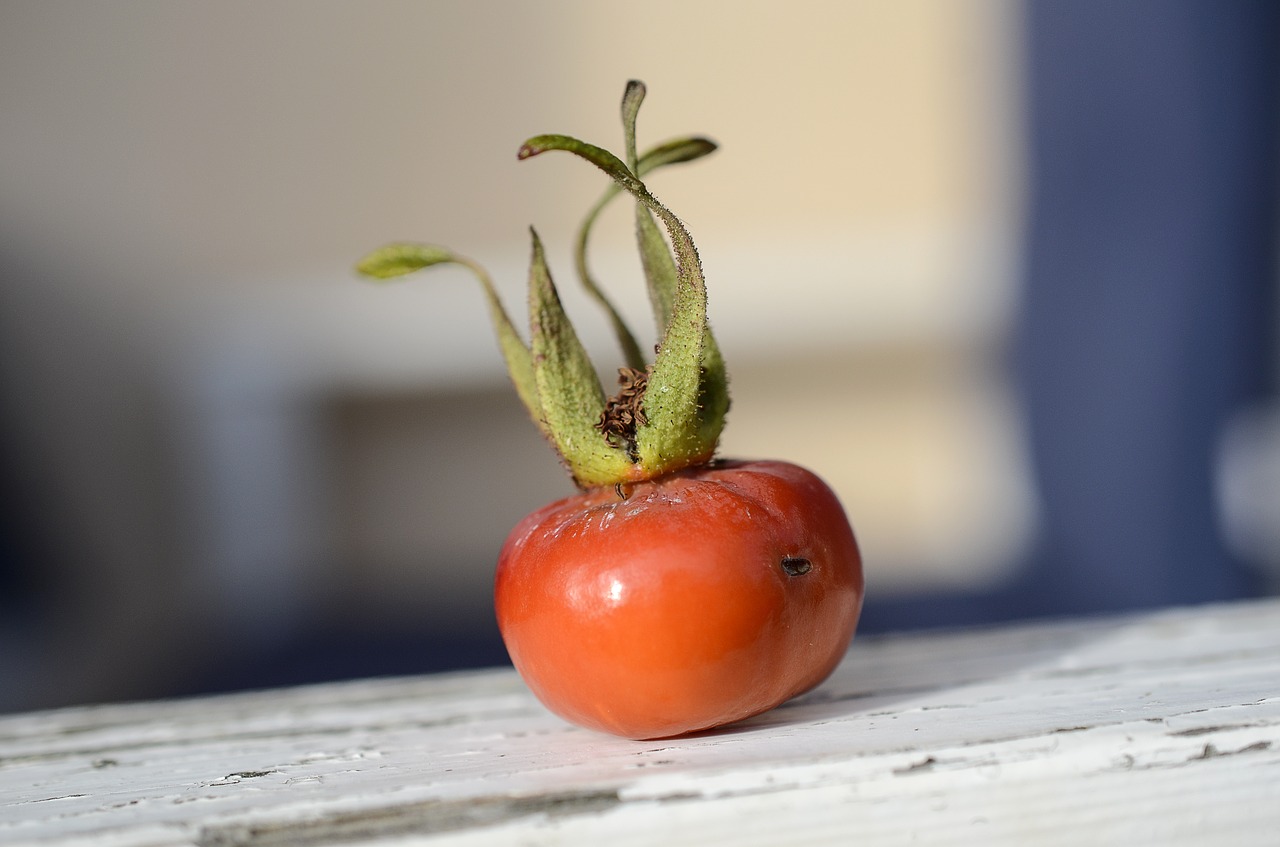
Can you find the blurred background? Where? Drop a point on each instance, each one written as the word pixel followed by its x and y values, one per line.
pixel 1003 272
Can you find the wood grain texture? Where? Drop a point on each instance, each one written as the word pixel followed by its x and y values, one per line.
pixel 1160 728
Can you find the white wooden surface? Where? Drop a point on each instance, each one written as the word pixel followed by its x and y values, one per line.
pixel 1159 729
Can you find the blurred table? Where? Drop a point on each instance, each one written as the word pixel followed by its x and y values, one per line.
pixel 1159 728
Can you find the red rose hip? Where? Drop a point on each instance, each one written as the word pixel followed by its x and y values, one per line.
pixel 675 592
pixel 703 598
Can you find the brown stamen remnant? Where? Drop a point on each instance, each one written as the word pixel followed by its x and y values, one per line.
pixel 623 413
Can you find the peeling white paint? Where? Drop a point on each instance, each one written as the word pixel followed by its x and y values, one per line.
pixel 1160 729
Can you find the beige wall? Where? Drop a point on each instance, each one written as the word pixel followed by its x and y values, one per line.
pixel 240 137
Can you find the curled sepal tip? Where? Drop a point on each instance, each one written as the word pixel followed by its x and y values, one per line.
pixel 396 260
pixel 401 259
pixel 673 152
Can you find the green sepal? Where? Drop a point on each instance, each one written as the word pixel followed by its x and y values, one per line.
pixel 679 430
pixel 659 266
pixel 675 151
pixel 568 387
pixel 400 259
pixel 663 279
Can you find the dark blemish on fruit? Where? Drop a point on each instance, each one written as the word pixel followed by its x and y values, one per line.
pixel 796 565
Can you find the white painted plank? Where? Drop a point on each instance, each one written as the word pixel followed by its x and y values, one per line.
pixel 1161 728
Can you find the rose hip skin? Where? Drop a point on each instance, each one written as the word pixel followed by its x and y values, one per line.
pixel 702 598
